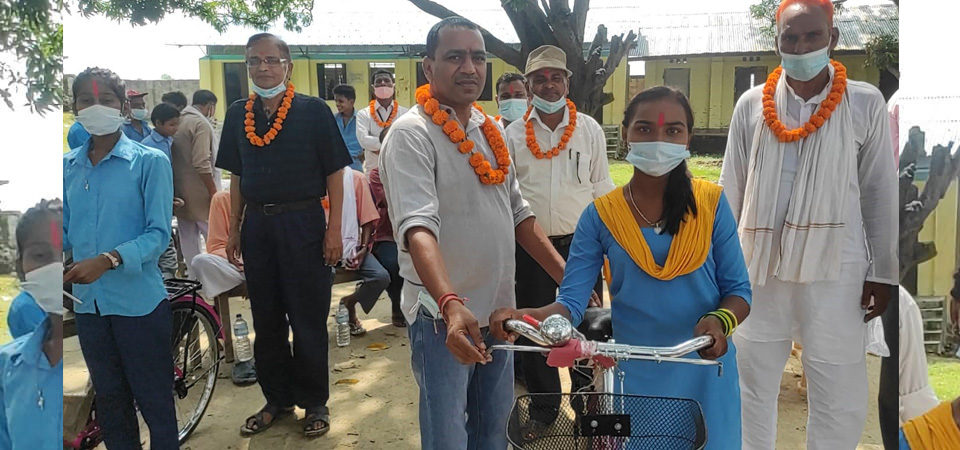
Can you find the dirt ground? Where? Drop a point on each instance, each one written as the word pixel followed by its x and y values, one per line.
pixel 380 410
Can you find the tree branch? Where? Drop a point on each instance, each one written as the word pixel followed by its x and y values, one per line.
pixel 494 45
pixel 580 8
pixel 559 19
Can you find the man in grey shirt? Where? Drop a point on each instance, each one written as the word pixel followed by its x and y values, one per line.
pixel 457 213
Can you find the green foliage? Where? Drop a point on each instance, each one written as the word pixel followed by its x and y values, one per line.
pixel 883 52
pixel 220 14
pixel 766 10
pixel 31 30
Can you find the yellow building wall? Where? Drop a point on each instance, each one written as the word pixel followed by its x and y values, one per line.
pixel 935 277
pixel 712 82
pixel 305 79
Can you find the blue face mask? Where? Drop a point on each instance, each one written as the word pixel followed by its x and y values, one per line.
pixel 656 158
pixel 806 66
pixel 549 107
pixel 513 109
pixel 274 91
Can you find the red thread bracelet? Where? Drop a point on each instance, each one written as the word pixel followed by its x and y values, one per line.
pixel 443 299
pixel 452 299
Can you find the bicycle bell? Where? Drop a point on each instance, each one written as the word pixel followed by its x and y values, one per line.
pixel 556 330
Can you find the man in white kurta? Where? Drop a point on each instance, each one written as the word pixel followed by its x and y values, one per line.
pixel 558 185
pixel 376 116
pixel 818 225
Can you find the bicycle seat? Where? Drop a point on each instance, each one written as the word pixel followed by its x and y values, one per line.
pixel 597 324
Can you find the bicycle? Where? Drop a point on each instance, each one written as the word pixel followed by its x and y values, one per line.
pixel 601 419
pixel 196 343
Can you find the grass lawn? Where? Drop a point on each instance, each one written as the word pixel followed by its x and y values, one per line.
pixel 8 289
pixel 944 376
pixel 707 167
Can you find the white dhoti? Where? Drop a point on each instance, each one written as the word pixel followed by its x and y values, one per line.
pixel 216 274
pixel 916 394
pixel 827 319
pixel 190 233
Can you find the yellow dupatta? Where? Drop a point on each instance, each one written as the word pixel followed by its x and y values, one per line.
pixel 935 430
pixel 690 246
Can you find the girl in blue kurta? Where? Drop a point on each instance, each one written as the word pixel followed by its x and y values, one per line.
pixel 677 270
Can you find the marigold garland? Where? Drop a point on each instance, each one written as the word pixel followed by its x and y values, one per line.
pixel 817 119
pixel 482 167
pixel 376 117
pixel 250 126
pixel 567 134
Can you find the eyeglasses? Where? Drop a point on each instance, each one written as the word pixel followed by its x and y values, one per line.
pixel 270 62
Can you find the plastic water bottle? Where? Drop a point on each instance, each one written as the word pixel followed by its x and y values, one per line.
pixel 243 349
pixel 343 326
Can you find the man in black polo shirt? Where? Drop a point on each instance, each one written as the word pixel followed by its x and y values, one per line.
pixel 284 151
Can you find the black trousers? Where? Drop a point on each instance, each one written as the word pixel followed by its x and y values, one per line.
pixel 131 363
pixel 536 289
pixel 889 395
pixel 289 286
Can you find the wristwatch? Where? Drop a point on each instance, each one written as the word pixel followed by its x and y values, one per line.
pixel 114 262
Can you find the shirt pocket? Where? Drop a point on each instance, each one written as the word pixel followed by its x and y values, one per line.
pixel 583 169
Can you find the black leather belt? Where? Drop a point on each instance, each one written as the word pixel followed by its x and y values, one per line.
pixel 272 209
pixel 560 241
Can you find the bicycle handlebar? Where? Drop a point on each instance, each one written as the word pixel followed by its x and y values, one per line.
pixel 611 350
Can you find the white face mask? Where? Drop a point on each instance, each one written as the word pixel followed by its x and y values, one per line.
pixel 138 114
pixel 274 91
pixel 657 158
pixel 100 120
pixel 806 66
pixel 45 285
pixel 548 106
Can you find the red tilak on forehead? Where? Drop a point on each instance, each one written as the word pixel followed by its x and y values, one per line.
pixel 96 89
pixel 510 86
pixel 660 120
pixel 55 235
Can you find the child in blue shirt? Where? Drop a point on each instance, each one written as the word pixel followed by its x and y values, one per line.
pixel 166 121
pixel 31 367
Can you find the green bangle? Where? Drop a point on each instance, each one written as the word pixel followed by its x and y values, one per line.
pixel 730 318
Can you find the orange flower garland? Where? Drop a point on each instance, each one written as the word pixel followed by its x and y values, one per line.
pixel 567 134
pixel 817 120
pixel 376 117
pixel 250 126
pixel 484 170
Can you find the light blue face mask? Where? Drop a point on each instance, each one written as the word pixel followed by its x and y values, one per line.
pixel 513 109
pixel 656 158
pixel 806 66
pixel 274 91
pixel 549 107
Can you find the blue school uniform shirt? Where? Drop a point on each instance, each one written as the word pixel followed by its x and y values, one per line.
pixel 650 312
pixel 132 132
pixel 24 315
pixel 31 394
pixel 124 203
pixel 77 135
pixel 349 133
pixel 159 142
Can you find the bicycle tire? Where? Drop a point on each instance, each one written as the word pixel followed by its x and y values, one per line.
pixel 210 324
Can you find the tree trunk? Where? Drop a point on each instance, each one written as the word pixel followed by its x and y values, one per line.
pixel 554 23
pixel 915 207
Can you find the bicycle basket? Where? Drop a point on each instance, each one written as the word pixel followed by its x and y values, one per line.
pixel 597 421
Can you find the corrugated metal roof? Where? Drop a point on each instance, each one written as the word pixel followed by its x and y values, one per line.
pixel 738 32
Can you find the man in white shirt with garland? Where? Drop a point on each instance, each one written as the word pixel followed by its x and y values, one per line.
pixel 379 114
pixel 561 161
pixel 809 176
